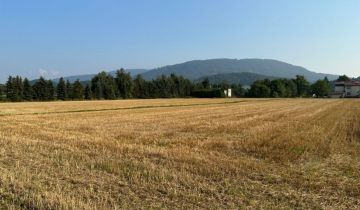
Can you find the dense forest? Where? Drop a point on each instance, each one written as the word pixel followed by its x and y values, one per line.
pixel 123 86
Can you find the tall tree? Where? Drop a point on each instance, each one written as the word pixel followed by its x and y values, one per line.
pixel 68 90
pixel 61 93
pixel 124 83
pixel 28 93
pixel 14 88
pixel 50 90
pixel 87 92
pixel 343 78
pixel 40 90
pixel 321 88
pixel 2 91
pixel 238 90
pixel 278 88
pixel 103 86
pixel 291 88
pixel 140 89
pixel 10 91
pixel 77 91
pixel 206 83
pixel 302 85
pixel 19 88
pixel 260 89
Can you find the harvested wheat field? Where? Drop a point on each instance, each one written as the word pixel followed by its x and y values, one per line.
pixel 181 154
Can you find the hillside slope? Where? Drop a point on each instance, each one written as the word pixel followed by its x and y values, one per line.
pixel 244 78
pixel 201 68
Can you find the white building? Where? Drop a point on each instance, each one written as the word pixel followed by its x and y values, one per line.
pixel 347 89
pixel 227 93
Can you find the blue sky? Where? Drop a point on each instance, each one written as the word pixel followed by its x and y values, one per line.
pixel 67 37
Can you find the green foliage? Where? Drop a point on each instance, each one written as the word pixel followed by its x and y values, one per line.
pixel 41 90
pixel 2 92
pixel 103 86
pixel 303 86
pixel 291 88
pixel 321 88
pixel 283 88
pixel 14 89
pixel 124 83
pixel 61 90
pixel 50 90
pixel 278 88
pixel 27 93
pixel 238 90
pixel 260 89
pixel 141 88
pixel 87 92
pixel 343 78
pixel 77 92
pixel 68 90
pixel 206 83
pixel 244 78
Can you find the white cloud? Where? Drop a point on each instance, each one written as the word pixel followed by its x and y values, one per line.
pixel 48 73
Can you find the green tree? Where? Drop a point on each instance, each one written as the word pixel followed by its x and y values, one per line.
pixel 343 78
pixel 87 92
pixel 2 91
pixel 206 83
pixel 124 83
pixel 103 86
pixel 302 85
pixel 140 89
pixel 14 88
pixel 68 90
pixel 163 87
pixel 291 88
pixel 40 90
pixel 77 91
pixel 321 88
pixel 278 88
pixel 9 89
pixel 28 93
pixel 238 90
pixel 50 90
pixel 61 90
pixel 260 89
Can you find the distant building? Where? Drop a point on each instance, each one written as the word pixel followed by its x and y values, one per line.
pixel 227 93
pixel 347 89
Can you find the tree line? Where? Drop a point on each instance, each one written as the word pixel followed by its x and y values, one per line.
pixel 101 86
pixel 123 86
pixel 287 88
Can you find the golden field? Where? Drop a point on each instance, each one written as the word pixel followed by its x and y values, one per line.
pixel 181 154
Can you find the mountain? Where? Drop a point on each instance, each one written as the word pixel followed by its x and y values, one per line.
pixel 244 78
pixel 88 77
pixel 202 68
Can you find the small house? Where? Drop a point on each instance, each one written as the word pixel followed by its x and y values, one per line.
pixel 347 89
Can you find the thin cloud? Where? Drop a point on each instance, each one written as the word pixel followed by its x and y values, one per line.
pixel 48 73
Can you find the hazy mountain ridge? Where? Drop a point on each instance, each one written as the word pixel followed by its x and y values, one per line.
pixel 88 77
pixel 201 68
pixel 231 70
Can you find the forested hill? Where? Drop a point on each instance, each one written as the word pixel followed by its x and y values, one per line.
pixel 244 78
pixel 204 68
